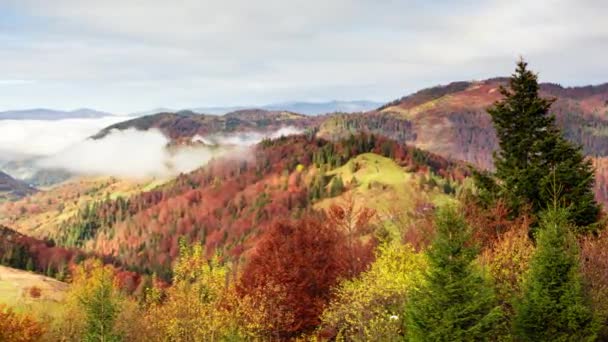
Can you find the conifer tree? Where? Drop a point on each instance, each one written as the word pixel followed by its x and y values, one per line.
pixel 554 307
pixel 533 151
pixel 100 301
pixel 455 303
pixel 337 186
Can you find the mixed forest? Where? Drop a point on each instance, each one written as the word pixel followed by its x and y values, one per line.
pixel 359 237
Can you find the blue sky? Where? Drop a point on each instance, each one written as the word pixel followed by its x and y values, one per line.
pixel 125 56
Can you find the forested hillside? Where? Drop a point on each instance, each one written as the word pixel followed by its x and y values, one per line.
pixel 348 231
pixel 228 204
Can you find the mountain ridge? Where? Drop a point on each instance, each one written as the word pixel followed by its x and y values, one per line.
pixel 52 114
pixel 303 107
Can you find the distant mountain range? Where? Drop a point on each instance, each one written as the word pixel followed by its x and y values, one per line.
pixel 51 114
pixel 308 108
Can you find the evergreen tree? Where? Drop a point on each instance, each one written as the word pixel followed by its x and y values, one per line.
pixel 554 307
pixel 533 151
pixel 100 302
pixel 455 303
pixel 337 186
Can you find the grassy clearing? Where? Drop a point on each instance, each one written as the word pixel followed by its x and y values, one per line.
pixel 379 183
pixel 18 289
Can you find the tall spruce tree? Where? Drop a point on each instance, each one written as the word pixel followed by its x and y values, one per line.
pixel 100 302
pixel 533 151
pixel 554 307
pixel 455 303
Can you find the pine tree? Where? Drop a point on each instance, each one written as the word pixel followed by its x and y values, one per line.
pixel 100 302
pixel 554 307
pixel 455 303
pixel 533 150
pixel 337 186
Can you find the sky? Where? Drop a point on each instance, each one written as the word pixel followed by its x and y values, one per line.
pixel 127 56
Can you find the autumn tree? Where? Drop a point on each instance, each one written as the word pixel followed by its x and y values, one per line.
pixel 508 261
pixel 533 152
pixel 554 306
pixel 305 259
pixel 94 305
pixel 197 305
pixel 17 327
pixel 594 267
pixel 370 307
pixel 455 302
pixel 355 222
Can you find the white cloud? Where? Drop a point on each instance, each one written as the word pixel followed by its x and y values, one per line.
pixel 128 153
pixel 248 138
pixel 131 55
pixel 136 154
pixel 15 82
pixel 42 138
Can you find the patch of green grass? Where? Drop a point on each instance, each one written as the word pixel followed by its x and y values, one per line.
pixel 371 169
pixel 383 185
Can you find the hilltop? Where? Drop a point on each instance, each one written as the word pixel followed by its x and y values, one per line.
pixel 189 124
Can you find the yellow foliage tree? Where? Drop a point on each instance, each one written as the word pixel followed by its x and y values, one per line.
pixel 508 261
pixel 95 309
pixel 199 304
pixel 371 306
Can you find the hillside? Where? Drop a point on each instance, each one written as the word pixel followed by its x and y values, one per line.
pixel 18 287
pixel 40 214
pixel 188 124
pixel 449 120
pixel 12 189
pixel 452 121
pixel 230 202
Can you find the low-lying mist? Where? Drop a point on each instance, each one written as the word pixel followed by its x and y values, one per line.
pixel 138 154
pixel 21 139
pixel 65 145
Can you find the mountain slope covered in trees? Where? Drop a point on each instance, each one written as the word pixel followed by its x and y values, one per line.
pixel 227 204
pixel 13 189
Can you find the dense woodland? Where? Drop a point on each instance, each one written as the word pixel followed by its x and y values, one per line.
pixel 238 251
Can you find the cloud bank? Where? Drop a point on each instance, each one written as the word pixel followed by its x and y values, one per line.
pixel 137 154
pixel 34 138
pixel 125 56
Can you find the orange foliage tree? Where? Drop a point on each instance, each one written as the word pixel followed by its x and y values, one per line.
pixel 305 259
pixel 354 222
pixel 16 327
pixel 594 266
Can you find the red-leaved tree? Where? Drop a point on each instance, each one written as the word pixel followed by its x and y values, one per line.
pixel 305 259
